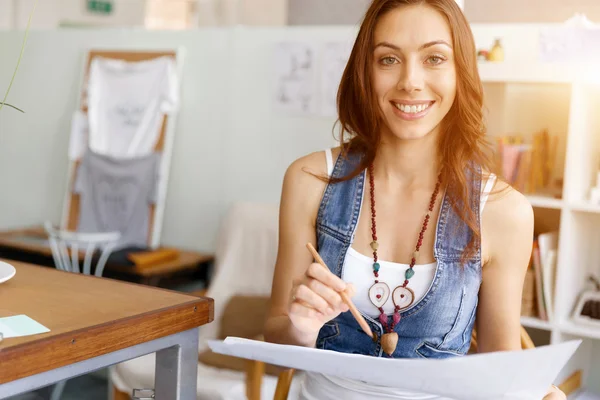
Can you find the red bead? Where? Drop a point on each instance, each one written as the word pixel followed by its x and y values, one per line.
pixel 396 319
pixel 383 319
pixel 406 282
pixel 413 261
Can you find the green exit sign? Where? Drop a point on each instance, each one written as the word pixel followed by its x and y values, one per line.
pixel 100 6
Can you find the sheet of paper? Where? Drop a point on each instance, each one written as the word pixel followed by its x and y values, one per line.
pixel 294 77
pixel 523 374
pixel 335 58
pixel 78 141
pixel 20 325
pixel 569 44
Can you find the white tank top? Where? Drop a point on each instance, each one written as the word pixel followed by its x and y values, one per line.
pixel 358 268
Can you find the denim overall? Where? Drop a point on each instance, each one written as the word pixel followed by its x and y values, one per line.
pixel 439 325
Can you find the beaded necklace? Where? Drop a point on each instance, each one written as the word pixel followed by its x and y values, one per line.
pixel 402 296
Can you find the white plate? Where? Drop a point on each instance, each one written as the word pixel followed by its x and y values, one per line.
pixel 7 271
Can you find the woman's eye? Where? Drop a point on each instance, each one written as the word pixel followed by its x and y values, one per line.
pixel 435 60
pixel 388 60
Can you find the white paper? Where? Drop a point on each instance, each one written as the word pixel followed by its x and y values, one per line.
pixel 294 77
pixel 335 58
pixel 569 44
pixel 79 135
pixel 525 374
pixel 20 325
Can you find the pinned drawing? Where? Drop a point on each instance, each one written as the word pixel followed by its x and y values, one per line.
pixel 570 42
pixel 295 66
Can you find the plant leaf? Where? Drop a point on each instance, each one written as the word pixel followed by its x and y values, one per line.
pixel 11 106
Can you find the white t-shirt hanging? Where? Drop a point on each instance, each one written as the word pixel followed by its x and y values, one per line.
pixel 126 103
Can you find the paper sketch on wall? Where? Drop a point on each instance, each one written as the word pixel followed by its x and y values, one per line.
pixel 335 58
pixel 295 67
pixel 570 42
pixel 561 44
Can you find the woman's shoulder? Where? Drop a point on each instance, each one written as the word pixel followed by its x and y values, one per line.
pixel 311 166
pixel 507 210
pixel 505 201
pixel 305 181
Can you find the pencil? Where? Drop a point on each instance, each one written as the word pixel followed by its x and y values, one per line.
pixel 359 318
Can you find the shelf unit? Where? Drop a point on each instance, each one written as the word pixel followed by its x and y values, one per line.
pixel 523 95
pixel 536 323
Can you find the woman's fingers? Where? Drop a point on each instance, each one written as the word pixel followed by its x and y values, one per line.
pixel 350 290
pixel 312 299
pixel 301 309
pixel 328 294
pixel 317 295
pixel 322 274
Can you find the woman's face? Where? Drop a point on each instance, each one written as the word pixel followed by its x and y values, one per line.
pixel 414 77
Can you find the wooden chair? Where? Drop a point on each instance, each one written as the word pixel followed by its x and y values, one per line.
pixel 256 369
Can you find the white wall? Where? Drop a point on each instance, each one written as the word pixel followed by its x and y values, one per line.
pixel 229 146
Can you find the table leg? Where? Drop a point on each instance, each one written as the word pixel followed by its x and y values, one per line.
pixel 177 369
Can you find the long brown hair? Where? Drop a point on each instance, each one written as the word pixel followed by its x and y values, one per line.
pixel 462 148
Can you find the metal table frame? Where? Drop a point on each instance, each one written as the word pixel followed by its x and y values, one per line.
pixel 176 367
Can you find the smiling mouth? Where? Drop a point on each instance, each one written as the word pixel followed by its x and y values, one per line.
pixel 414 108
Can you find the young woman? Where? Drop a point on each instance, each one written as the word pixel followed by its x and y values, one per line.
pixel 403 214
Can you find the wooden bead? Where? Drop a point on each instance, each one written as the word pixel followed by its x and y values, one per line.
pixel 374 245
pixel 389 341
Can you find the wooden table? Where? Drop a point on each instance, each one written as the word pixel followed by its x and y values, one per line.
pixel 34 241
pixel 95 323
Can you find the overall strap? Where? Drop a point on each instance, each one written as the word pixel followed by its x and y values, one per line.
pixel 453 234
pixel 338 213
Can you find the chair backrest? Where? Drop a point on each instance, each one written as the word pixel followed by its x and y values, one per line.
pixel 67 248
pixel 245 256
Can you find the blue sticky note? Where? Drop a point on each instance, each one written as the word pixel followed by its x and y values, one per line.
pixel 20 325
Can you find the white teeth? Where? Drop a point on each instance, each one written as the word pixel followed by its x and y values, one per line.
pixel 412 109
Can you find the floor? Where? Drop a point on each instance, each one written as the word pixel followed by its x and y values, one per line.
pixel 86 387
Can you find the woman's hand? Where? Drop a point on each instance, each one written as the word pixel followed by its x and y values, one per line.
pixel 316 299
pixel 555 394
